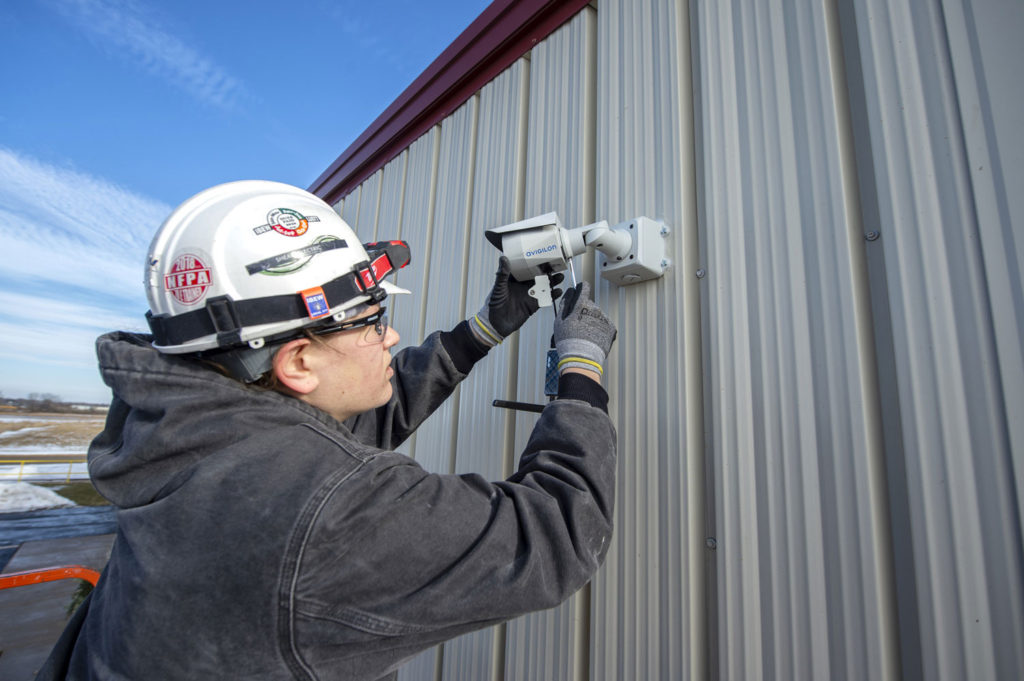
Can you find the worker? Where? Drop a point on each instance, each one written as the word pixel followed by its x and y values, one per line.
pixel 266 527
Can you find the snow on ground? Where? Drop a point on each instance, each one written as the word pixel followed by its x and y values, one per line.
pixel 20 431
pixel 43 450
pixel 21 496
pixel 43 418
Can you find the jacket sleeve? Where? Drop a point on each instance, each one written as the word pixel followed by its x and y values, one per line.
pixel 398 552
pixel 425 377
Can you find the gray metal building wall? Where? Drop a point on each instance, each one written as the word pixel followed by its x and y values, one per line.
pixel 820 463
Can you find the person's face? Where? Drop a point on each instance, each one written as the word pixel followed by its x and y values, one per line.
pixel 353 368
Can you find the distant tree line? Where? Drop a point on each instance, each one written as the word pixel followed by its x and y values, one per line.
pixel 48 402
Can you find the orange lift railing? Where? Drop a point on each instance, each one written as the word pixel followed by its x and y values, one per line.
pixel 48 574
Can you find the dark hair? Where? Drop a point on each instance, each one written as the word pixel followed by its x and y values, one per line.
pixel 268 380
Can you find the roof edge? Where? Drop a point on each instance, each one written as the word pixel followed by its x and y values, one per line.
pixel 503 32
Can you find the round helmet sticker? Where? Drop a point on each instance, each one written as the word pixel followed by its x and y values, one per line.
pixel 287 221
pixel 188 279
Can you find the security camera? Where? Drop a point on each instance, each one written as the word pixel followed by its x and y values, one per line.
pixel 538 247
pixel 534 246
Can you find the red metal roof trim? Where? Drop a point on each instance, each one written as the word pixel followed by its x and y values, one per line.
pixel 504 32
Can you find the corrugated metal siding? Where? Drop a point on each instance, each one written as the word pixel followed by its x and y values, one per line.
pixel 820 471
pixel 961 600
pixel 444 291
pixel 417 229
pixel 443 284
pixel 389 216
pixel 559 177
pixel 484 432
pixel 388 224
pixel 800 574
pixel 483 438
pixel 649 597
pixel 350 208
pixel 407 189
pixel 986 53
pixel 420 189
pixel 369 203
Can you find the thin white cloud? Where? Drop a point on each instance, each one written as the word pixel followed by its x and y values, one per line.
pixel 40 253
pixel 67 228
pixel 60 314
pixel 134 32
pixel 74 249
pixel 48 344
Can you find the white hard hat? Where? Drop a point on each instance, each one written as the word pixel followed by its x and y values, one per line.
pixel 248 262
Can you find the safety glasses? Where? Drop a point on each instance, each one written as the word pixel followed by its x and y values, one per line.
pixel 377 323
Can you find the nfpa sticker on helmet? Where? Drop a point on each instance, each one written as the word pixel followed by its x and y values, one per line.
pixel 188 279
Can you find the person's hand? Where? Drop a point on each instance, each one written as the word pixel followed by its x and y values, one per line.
pixel 583 334
pixel 508 306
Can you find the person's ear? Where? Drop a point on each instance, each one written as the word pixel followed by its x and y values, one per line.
pixel 293 368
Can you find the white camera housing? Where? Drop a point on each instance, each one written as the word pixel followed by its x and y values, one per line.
pixel 533 246
pixel 633 251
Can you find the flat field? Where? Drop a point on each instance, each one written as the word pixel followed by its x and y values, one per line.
pixel 49 450
pixel 23 432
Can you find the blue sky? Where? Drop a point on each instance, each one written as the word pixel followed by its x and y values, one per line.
pixel 112 112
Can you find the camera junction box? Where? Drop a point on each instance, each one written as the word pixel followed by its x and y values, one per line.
pixel 645 258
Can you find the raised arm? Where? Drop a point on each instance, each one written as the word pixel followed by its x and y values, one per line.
pixel 426 375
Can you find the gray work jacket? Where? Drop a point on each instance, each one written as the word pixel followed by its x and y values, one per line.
pixel 258 538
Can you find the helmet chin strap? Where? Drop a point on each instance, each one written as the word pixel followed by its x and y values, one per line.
pixel 245 364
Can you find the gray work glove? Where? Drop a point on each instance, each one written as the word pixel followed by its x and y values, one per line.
pixel 583 334
pixel 508 306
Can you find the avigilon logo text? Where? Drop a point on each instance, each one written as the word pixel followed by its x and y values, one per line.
pixel 541 251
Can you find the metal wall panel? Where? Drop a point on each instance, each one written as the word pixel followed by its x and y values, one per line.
pixel 559 177
pixel 407 187
pixel 369 205
pixel 444 282
pixel 986 53
pixel 417 225
pixel 959 547
pixel 388 224
pixel 803 579
pixel 403 310
pixel 418 192
pixel 350 208
pixel 416 228
pixel 820 470
pixel 442 291
pixel 483 435
pixel 483 440
pixel 648 599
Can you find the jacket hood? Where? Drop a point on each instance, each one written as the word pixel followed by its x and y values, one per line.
pixel 170 412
